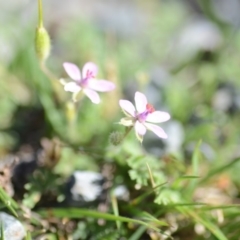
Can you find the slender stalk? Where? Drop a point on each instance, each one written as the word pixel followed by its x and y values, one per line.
pixel 40 14
pixel 47 72
pixel 151 176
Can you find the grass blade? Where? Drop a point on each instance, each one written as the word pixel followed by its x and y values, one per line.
pixel 83 213
pixel 2 234
pixel 8 202
pixel 213 228
pixel 195 168
pixel 28 237
pixel 138 233
pixel 115 209
pixel 220 169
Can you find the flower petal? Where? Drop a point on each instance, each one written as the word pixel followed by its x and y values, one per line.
pixel 127 108
pixel 72 87
pixel 72 70
pixel 92 95
pixel 101 85
pixel 158 117
pixel 127 121
pixel 140 130
pixel 91 67
pixel 140 102
pixel 156 129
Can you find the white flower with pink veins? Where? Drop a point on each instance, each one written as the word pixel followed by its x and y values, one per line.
pixel 140 116
pixel 86 82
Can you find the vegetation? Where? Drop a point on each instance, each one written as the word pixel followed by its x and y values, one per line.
pixel 185 61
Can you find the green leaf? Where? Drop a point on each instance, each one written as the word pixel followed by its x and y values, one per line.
pixel 138 233
pixel 213 228
pixel 28 237
pixel 115 209
pixel 220 169
pixel 141 198
pixel 187 177
pixel 2 235
pixel 83 213
pixel 195 168
pixel 8 202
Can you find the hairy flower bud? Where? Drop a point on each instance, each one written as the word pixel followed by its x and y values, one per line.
pixel 116 138
pixel 42 44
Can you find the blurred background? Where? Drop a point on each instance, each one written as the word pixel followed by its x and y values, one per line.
pixel 182 54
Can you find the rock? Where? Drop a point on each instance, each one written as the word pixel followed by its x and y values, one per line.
pixel 158 147
pixel 198 36
pixel 227 98
pixel 12 228
pixel 176 135
pixel 153 144
pixel 159 80
pixel 227 11
pixel 84 187
pixel 121 193
pixel 222 100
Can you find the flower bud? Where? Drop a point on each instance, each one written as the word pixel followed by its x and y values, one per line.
pixel 42 44
pixel 116 138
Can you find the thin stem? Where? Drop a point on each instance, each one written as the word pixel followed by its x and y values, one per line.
pixel 40 14
pixel 47 72
pixel 151 176
pixel 54 80
pixel 76 97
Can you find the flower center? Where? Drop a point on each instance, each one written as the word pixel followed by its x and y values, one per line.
pixel 89 74
pixel 84 82
pixel 142 116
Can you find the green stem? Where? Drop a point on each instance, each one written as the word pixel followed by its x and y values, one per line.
pixel 47 72
pixel 40 14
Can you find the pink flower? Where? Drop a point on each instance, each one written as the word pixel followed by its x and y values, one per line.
pixel 87 81
pixel 141 115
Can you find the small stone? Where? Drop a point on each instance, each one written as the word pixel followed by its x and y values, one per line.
pixel 197 36
pixel 222 100
pixel 227 11
pixel 176 136
pixel 172 144
pixel 84 187
pixel 121 193
pixel 12 228
pixel 227 98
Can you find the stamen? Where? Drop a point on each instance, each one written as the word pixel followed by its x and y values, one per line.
pixel 89 74
pixel 150 108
